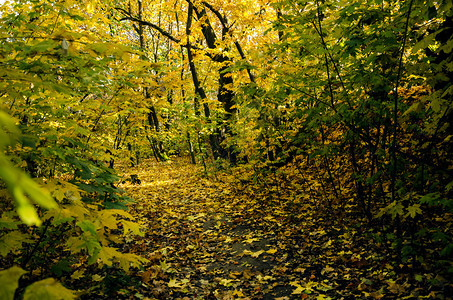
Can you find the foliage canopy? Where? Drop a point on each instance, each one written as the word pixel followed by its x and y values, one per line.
pixel 347 102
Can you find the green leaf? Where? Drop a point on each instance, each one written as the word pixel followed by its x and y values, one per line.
pixel 12 242
pixel 9 281
pixel 397 210
pixel 416 107
pixel 447 251
pixel 424 43
pixel 21 185
pixel 8 129
pixel 7 222
pixel 61 267
pixel 48 289
pixel 414 210
pixel 44 46
pixel 393 209
pixel 87 226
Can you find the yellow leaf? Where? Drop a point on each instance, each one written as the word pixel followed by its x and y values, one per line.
pixel 97 277
pixel 75 244
pixel 299 290
pixel 132 227
pixel 228 240
pixel 257 253
pixel 108 219
pixel 122 213
pixel 28 214
pixel 47 289
pixel 127 260
pixel 107 254
pixel 251 240
pixel 226 282
pixel 327 269
pixel 174 284
pixel 271 251
pixel 12 242
pixel 9 281
pixel 77 274
pixel 75 210
pixel 413 210
pixel 253 254
pixel 90 8
pixel 327 244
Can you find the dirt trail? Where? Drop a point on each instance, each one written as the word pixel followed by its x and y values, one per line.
pixel 206 239
pixel 199 242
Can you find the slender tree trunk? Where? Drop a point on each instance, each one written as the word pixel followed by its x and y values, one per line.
pixel 192 153
pixel 153 119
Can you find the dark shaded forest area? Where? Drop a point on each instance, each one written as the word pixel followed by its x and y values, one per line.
pixel 185 149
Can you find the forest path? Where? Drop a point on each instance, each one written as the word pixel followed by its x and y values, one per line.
pixel 201 244
pixel 207 240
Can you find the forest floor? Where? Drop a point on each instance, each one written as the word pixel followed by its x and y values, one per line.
pixel 210 238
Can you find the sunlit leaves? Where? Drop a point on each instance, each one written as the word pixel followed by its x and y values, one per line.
pixel 22 188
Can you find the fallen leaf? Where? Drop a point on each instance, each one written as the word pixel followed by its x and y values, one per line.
pixel 271 251
pixel 253 254
pixel 174 284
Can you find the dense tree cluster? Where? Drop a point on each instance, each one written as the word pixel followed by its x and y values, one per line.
pixel 349 101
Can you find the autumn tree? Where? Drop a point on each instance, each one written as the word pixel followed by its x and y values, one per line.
pixel 212 37
pixel 346 105
pixel 60 87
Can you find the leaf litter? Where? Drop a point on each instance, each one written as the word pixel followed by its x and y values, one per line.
pixel 213 238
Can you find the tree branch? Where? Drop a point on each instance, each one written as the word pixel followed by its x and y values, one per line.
pixel 217 13
pixel 226 28
pixel 196 82
pixel 128 16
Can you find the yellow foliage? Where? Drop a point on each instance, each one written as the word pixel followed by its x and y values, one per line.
pixel 48 289
pixel 108 255
pixel 9 282
pixel 132 227
pixel 12 241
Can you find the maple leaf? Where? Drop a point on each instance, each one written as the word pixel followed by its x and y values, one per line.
pixel 251 240
pixel 327 269
pixel 226 282
pixel 413 210
pixel 133 227
pixel 271 251
pixel 10 281
pixel 253 254
pixel 395 288
pixel 299 290
pixel 78 274
pixel 12 241
pixel 174 284
pixel 48 289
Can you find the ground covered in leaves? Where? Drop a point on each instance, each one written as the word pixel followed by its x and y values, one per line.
pixel 210 237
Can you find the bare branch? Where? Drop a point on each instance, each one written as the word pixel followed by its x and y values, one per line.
pixel 218 14
pixel 128 16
